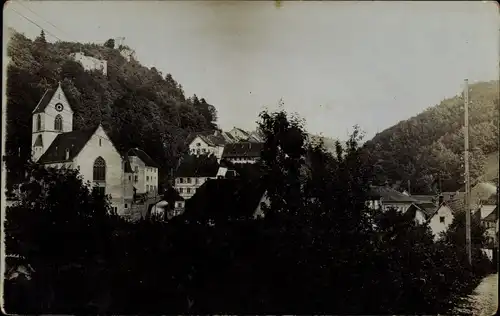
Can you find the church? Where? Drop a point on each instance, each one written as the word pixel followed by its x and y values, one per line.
pixel 91 151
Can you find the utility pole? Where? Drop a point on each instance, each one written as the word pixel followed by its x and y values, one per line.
pixel 467 176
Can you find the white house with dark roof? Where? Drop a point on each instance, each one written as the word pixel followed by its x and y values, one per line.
pixel 207 144
pixel 145 170
pixel 193 171
pixel 55 144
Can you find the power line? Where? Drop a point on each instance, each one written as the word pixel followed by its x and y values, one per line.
pixel 46 20
pixel 31 21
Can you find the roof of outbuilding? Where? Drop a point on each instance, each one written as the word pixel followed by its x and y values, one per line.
pixel 424 198
pixel 225 199
pixel 388 194
pixel 148 161
pixel 427 208
pixel 243 149
pixel 197 166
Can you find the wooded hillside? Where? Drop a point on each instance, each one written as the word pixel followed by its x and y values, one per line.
pixel 137 106
pixel 427 149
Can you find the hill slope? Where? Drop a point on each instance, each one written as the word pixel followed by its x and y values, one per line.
pixel 427 149
pixel 137 106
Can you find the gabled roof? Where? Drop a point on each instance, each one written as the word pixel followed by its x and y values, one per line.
pixel 202 166
pixel 242 131
pixel 208 137
pixel 243 149
pixel 424 198
pixel 387 194
pixel 225 199
pixel 492 217
pixel 427 208
pixel 171 195
pixel 192 136
pixel 72 141
pixel 148 161
pixel 229 137
pixel 46 97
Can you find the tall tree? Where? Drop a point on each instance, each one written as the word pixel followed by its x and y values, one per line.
pixel 110 43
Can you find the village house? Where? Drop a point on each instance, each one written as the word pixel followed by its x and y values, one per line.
pixel 146 175
pixel 228 199
pixel 211 144
pixel 193 171
pixel 90 63
pixel 441 219
pixel 385 197
pixel 171 205
pixel 490 222
pixel 242 152
pixel 239 134
pixel 55 144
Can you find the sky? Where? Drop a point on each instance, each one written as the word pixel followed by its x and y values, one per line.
pixel 336 64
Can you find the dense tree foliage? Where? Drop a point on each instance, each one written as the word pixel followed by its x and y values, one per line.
pixel 60 228
pixel 427 150
pixel 137 106
pixel 318 249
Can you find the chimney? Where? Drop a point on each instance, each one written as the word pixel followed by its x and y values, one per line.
pixel 441 199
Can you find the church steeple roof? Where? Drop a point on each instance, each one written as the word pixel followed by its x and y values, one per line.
pixel 47 96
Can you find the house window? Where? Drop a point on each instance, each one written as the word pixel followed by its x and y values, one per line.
pixel 198 151
pixel 196 180
pixel 136 179
pixel 188 180
pixel 136 169
pixel 441 219
pixel 99 170
pixel 147 178
pixel 181 180
pixel 147 187
pixel 38 122
pixel 58 123
pixel 126 206
pixel 181 190
pixel 204 150
pixel 188 190
pixel 129 178
pixel 100 141
pixel 100 190
pixel 198 144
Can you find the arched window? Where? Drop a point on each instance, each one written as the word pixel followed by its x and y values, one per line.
pixel 99 170
pixel 58 123
pixel 38 122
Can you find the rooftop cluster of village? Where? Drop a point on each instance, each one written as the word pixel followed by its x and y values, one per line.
pixel 219 170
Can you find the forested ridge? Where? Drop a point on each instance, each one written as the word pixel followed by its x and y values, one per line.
pixel 137 106
pixel 427 150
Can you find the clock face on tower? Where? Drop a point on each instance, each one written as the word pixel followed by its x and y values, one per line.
pixel 59 107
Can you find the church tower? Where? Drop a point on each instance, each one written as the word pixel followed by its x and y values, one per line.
pixel 52 116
